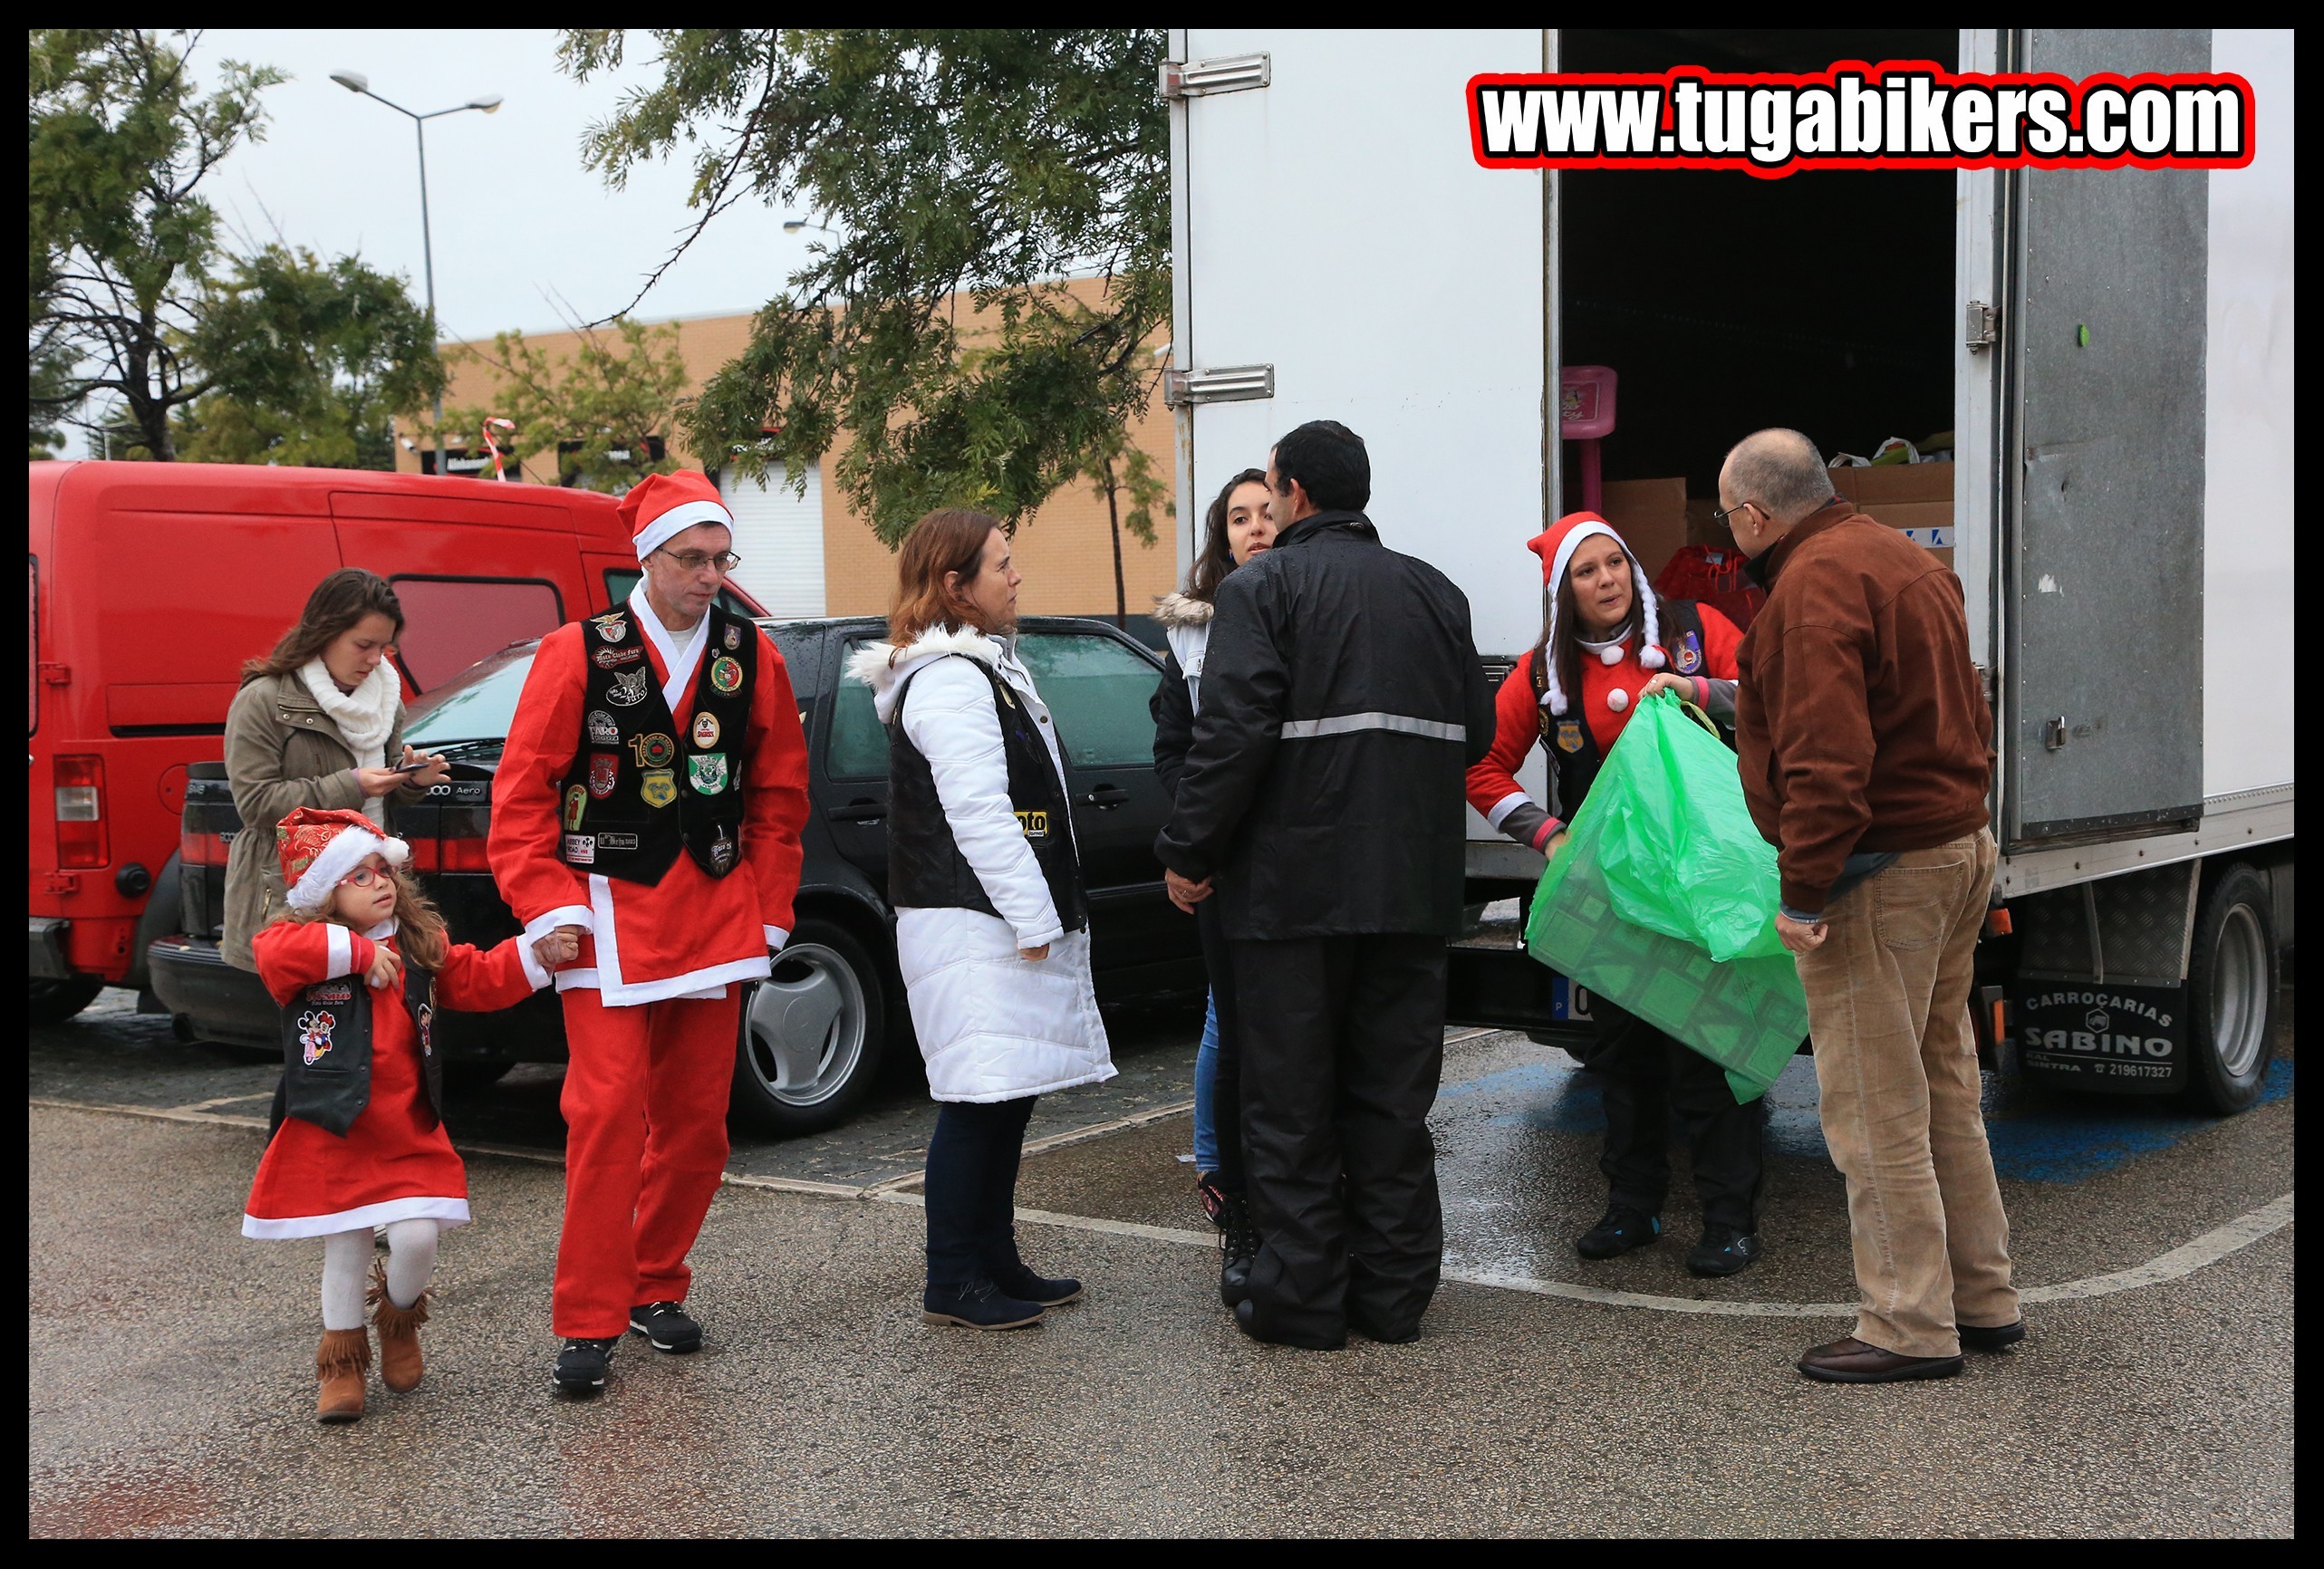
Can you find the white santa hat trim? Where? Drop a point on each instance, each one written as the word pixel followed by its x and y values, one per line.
pixel 1553 697
pixel 677 521
pixel 340 856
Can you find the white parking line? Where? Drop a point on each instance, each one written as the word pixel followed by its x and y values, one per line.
pixel 2175 1265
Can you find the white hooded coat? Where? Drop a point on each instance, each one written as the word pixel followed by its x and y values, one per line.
pixel 992 1026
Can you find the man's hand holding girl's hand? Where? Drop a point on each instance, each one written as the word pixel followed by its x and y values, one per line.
pixel 561 946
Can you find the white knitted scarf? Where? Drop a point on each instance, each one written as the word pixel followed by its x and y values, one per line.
pixel 364 716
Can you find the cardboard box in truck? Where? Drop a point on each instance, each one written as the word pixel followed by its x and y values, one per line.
pixel 1916 497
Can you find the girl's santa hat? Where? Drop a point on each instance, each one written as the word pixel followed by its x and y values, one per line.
pixel 1556 548
pixel 319 845
pixel 661 506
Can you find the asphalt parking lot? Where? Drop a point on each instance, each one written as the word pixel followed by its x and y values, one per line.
pixel 170 1361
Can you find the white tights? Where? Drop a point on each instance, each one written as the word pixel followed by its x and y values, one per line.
pixel 347 1259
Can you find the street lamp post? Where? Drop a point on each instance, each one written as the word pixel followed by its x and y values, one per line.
pixel 356 81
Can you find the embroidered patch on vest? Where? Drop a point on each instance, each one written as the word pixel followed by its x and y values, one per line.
pixel 725 674
pixel 604 771
pixel 609 659
pixel 734 636
pixel 581 848
pixel 654 750
pixel 427 1016
pixel 1690 654
pixel 707 772
pixel 1569 734
pixel 601 728
pixel 659 786
pixel 576 802
pixel 628 692
pixel 722 850
pixel 314 1034
pixel 609 626
pixel 618 841
pixel 706 730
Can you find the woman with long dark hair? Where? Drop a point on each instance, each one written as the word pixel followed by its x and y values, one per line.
pixel 1238 528
pixel 1608 642
pixel 992 925
pixel 314 725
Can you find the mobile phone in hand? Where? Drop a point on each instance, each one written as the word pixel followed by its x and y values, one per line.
pixel 413 767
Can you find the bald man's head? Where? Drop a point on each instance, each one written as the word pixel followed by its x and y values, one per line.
pixel 1779 469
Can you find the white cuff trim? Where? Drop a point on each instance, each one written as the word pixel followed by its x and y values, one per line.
pixel 579 915
pixel 776 937
pixel 1507 804
pixel 338 950
pixel 447 1211
pixel 532 970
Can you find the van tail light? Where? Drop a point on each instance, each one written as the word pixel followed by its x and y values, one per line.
pixel 203 849
pixel 81 812
pixel 451 854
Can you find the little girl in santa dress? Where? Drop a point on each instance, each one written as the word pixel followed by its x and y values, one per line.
pixel 360 969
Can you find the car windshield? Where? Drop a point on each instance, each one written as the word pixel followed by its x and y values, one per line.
pixel 477 705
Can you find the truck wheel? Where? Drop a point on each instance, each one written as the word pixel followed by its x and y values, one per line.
pixel 2231 992
pixel 812 1035
pixel 55 1001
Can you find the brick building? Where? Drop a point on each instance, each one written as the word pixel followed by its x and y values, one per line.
pixel 816 557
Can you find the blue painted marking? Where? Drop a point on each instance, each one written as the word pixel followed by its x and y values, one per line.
pixel 2036 1135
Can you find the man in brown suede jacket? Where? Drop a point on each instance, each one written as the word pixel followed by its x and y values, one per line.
pixel 1864 747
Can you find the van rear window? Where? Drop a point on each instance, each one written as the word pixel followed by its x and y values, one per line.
pixel 450 623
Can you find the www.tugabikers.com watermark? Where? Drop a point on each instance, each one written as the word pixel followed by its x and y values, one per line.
pixel 1900 114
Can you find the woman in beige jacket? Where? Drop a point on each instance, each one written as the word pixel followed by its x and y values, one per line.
pixel 314 725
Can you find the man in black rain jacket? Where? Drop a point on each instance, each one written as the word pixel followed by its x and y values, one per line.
pixel 1342 706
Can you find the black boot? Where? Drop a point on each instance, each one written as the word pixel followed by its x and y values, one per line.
pixel 1724 1250
pixel 1015 1280
pixel 1238 1248
pixel 1622 1229
pixel 980 1304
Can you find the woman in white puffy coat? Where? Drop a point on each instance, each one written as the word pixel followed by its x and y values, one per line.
pixel 992 932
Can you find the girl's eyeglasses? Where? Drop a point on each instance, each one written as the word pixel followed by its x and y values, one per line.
pixel 364 877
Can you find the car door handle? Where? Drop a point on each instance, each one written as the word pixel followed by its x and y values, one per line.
pixel 865 812
pixel 1106 798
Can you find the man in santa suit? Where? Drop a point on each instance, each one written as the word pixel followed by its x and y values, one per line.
pixel 650 803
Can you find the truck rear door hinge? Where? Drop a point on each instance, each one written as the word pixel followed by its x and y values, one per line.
pixel 1228 73
pixel 1231 384
pixel 1983 328
pixel 62 882
pixel 56 675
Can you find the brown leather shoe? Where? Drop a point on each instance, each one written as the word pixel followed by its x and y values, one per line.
pixel 340 1364
pixel 1995 1337
pixel 399 1365
pixel 1851 1362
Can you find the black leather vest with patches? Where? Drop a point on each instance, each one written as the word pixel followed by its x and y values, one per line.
pixel 926 870
pixel 1574 754
pixel 327 1048
pixel 644 786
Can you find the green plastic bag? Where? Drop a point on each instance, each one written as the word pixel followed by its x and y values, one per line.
pixel 1664 901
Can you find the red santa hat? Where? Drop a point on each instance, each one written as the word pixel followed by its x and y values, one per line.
pixel 319 845
pixel 1555 547
pixel 662 506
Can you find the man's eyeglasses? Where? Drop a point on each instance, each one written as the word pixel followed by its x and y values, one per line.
pixel 364 877
pixel 1722 514
pixel 726 561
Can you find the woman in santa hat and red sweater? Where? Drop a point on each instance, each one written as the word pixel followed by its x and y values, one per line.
pixel 360 969
pixel 1610 641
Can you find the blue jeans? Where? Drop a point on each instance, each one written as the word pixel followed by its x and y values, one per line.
pixel 1206 1083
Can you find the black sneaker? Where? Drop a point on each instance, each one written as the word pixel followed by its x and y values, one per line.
pixel 1026 1286
pixel 1621 1231
pixel 1998 1337
pixel 1238 1248
pixel 581 1366
pixel 1724 1250
pixel 666 1327
pixel 982 1305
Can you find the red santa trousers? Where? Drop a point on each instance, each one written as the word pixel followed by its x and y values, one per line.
pixel 645 1113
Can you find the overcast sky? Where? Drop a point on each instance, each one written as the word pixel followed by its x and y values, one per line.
pixel 525 236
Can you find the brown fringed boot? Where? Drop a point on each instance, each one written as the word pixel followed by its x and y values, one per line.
pixel 340 1364
pixel 398 1327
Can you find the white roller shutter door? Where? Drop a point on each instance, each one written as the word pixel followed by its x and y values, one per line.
pixel 779 538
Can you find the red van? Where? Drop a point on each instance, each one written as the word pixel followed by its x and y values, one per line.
pixel 151 583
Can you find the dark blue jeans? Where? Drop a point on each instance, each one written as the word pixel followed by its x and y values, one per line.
pixel 972 1189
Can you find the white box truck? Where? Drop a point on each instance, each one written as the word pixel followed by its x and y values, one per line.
pixel 2110 351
